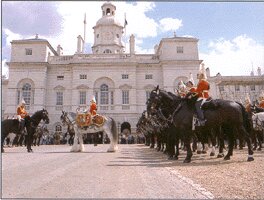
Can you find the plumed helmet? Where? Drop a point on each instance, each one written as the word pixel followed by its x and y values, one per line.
pixel 202 71
pixel 93 99
pixel 181 85
pixel 261 96
pixel 22 102
pixel 247 99
pixel 191 79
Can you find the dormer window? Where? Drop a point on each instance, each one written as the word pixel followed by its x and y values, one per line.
pixel 108 11
pixel 107 51
pixel 28 51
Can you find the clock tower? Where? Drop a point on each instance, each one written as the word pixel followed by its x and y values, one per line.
pixel 108 32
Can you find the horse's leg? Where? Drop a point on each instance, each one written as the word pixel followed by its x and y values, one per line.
pixel 260 140
pixel 75 146
pixel 170 143
pixel 231 139
pixel 248 140
pixel 187 143
pixel 81 142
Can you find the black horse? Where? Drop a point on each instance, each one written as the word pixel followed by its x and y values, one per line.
pixel 31 123
pixel 219 113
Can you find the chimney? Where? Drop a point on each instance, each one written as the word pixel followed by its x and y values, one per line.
pixel 132 44
pixel 59 50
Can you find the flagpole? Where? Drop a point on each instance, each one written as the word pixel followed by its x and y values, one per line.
pixel 125 30
pixel 84 22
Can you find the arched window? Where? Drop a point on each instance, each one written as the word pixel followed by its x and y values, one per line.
pixel 58 128
pixel 104 97
pixel 108 11
pixel 26 94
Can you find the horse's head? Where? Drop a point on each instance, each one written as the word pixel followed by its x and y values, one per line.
pixel 45 116
pixel 64 118
pixel 153 101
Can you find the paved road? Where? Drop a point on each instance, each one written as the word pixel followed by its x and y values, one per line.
pixel 135 171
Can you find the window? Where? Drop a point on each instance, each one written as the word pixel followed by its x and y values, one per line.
pixel 180 49
pixel 237 88
pixel 125 97
pixel 28 52
pixel 18 97
pixel 107 51
pixel 60 77
pixel 83 76
pixel 26 94
pixel 124 76
pixel 112 98
pixel 82 97
pixel 59 99
pixel 58 129
pixel 221 88
pixel 117 35
pixel 148 76
pixel 252 87
pixel 97 35
pixel 104 94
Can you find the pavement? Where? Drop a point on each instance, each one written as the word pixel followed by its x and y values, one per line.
pixel 134 171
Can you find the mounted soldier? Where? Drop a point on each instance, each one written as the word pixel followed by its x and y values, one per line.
pixel 202 91
pixel 93 106
pixel 21 114
pixel 190 84
pixel 261 100
pixel 182 90
pixel 248 104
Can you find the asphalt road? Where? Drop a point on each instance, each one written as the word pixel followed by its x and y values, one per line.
pixel 134 171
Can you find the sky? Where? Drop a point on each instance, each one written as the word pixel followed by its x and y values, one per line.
pixel 231 34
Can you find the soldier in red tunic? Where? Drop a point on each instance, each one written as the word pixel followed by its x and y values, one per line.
pixel 261 100
pixel 190 84
pixel 21 114
pixel 182 89
pixel 93 107
pixel 202 91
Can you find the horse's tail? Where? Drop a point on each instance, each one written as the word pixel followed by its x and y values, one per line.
pixel 114 131
pixel 246 119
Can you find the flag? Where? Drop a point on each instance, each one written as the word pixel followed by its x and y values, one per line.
pixel 125 23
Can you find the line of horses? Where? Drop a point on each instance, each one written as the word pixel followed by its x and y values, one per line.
pixel 170 119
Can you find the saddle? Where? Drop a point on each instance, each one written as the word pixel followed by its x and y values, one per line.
pixel 210 104
pixel 85 120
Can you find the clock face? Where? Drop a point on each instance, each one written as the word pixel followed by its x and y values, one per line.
pixel 108 35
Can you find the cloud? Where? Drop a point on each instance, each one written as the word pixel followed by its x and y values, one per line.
pixel 31 17
pixel 234 57
pixel 170 24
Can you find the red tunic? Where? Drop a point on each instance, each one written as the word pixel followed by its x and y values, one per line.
pixel 203 89
pixel 21 111
pixel 93 108
pixel 261 104
pixel 192 89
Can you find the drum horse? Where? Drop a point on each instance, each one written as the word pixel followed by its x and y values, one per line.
pixel 107 126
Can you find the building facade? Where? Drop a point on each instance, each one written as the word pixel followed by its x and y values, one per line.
pixel 120 81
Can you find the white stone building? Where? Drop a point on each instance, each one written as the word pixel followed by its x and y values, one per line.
pixel 120 81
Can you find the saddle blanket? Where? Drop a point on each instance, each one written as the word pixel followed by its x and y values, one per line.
pixel 86 119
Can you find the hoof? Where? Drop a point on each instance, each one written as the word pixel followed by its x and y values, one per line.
pixel 152 146
pixel 170 158
pixel 175 158
pixel 254 149
pixel 220 155
pixel 199 152
pixel 212 154
pixel 250 159
pixel 240 148
pixel 187 161
pixel 259 149
pixel 227 158
pixel 204 152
